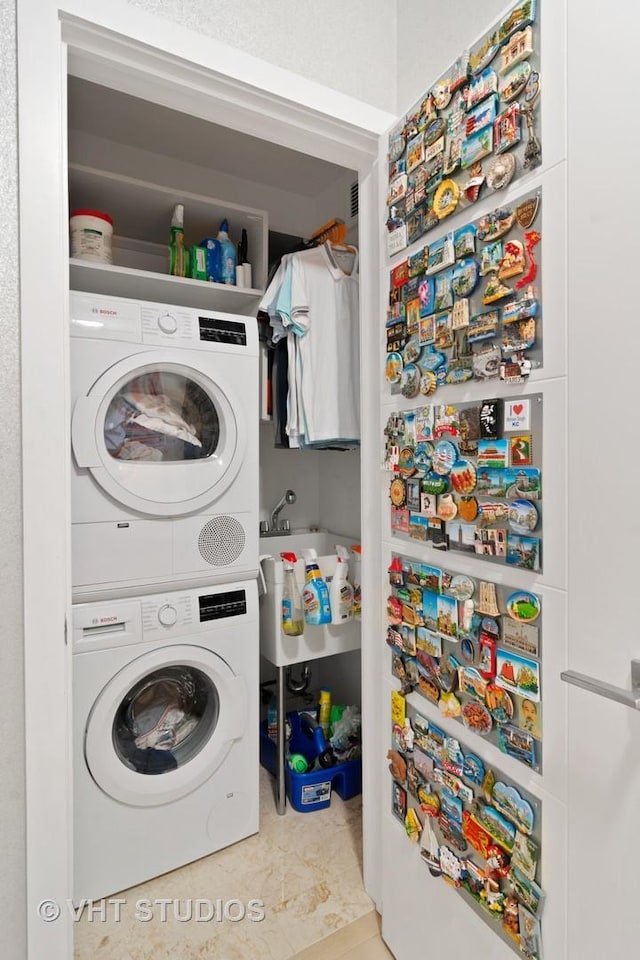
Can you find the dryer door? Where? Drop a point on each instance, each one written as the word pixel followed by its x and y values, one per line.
pixel 164 724
pixel 160 436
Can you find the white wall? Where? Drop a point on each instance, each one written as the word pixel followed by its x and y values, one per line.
pixel 12 818
pixel 349 46
pixel 427 43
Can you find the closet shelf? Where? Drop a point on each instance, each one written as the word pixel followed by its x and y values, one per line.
pixel 116 281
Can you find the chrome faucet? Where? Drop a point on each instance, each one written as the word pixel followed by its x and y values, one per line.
pixel 271 527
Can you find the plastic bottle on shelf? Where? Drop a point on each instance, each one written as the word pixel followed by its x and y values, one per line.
pixel 228 255
pixel 355 578
pixel 178 253
pixel 341 591
pixel 292 616
pixel 315 596
pixel 324 711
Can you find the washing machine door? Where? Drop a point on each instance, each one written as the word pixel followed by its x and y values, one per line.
pixel 161 437
pixel 164 724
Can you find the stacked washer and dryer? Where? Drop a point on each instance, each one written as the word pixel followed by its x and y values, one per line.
pixel 164 500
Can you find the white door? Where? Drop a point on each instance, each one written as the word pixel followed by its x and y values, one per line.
pixel 603 754
pixel 164 724
pixel 160 435
pixel 420 912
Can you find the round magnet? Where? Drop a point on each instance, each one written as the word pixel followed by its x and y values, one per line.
pixel 442 93
pixel 423 454
pixel 499 704
pixel 393 368
pixel 444 457
pixel 406 462
pixel 514 82
pixel 463 477
pixel 501 171
pixel 462 587
pixel 466 275
pixel 477 718
pixel 428 383
pixel 398 492
pixel 447 507
pixel 410 381
pixel 445 199
pixel 412 349
pixel 523 516
pixel 468 509
pixel 523 606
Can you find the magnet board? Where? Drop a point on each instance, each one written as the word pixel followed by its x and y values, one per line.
pixel 475 130
pixel 468 306
pixel 459 641
pixel 482 463
pixel 471 825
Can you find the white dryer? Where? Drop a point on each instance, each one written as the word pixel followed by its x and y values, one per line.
pixel 164 432
pixel 165 698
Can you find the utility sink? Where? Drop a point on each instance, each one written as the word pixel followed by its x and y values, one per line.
pixel 315 642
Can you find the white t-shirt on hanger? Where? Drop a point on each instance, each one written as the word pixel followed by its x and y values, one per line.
pixel 324 302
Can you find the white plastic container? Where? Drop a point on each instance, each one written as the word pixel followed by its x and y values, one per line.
pixel 340 590
pixel 91 233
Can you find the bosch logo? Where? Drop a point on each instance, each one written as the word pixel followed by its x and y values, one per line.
pixel 104 312
pixel 104 620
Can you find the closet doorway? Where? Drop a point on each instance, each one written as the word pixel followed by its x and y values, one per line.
pixel 124 151
pixel 142 58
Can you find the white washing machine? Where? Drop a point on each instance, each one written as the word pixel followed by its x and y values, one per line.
pixel 164 432
pixel 165 698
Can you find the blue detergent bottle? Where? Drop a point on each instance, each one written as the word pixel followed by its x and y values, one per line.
pixel 315 596
pixel 228 255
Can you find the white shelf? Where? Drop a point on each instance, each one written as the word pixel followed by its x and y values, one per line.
pixel 115 281
pixel 141 212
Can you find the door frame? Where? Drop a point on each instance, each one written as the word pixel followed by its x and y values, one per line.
pixel 135 52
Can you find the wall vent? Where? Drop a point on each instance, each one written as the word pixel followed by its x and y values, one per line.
pixel 352 201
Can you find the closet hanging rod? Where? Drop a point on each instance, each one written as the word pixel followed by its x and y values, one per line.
pixel 334 231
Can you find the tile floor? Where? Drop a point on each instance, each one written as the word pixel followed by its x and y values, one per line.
pixel 360 940
pixel 306 867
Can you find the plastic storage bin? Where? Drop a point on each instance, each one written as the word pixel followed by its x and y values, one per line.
pixel 310 791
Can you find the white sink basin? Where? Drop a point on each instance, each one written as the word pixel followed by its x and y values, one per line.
pixel 316 641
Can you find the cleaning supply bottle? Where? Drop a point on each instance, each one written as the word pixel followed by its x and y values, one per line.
pixel 178 253
pixel 341 591
pixel 315 596
pixel 324 711
pixel 213 259
pixel 355 578
pixel 292 616
pixel 228 255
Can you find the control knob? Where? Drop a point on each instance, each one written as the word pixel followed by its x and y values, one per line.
pixel 167 323
pixel 167 615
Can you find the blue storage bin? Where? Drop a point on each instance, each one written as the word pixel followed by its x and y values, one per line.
pixel 310 791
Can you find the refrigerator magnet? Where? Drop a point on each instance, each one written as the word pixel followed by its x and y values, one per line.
pixel 487 656
pixel 501 172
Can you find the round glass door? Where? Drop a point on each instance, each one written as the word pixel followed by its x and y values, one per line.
pixel 164 724
pixel 161 416
pixel 158 436
pixel 165 719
